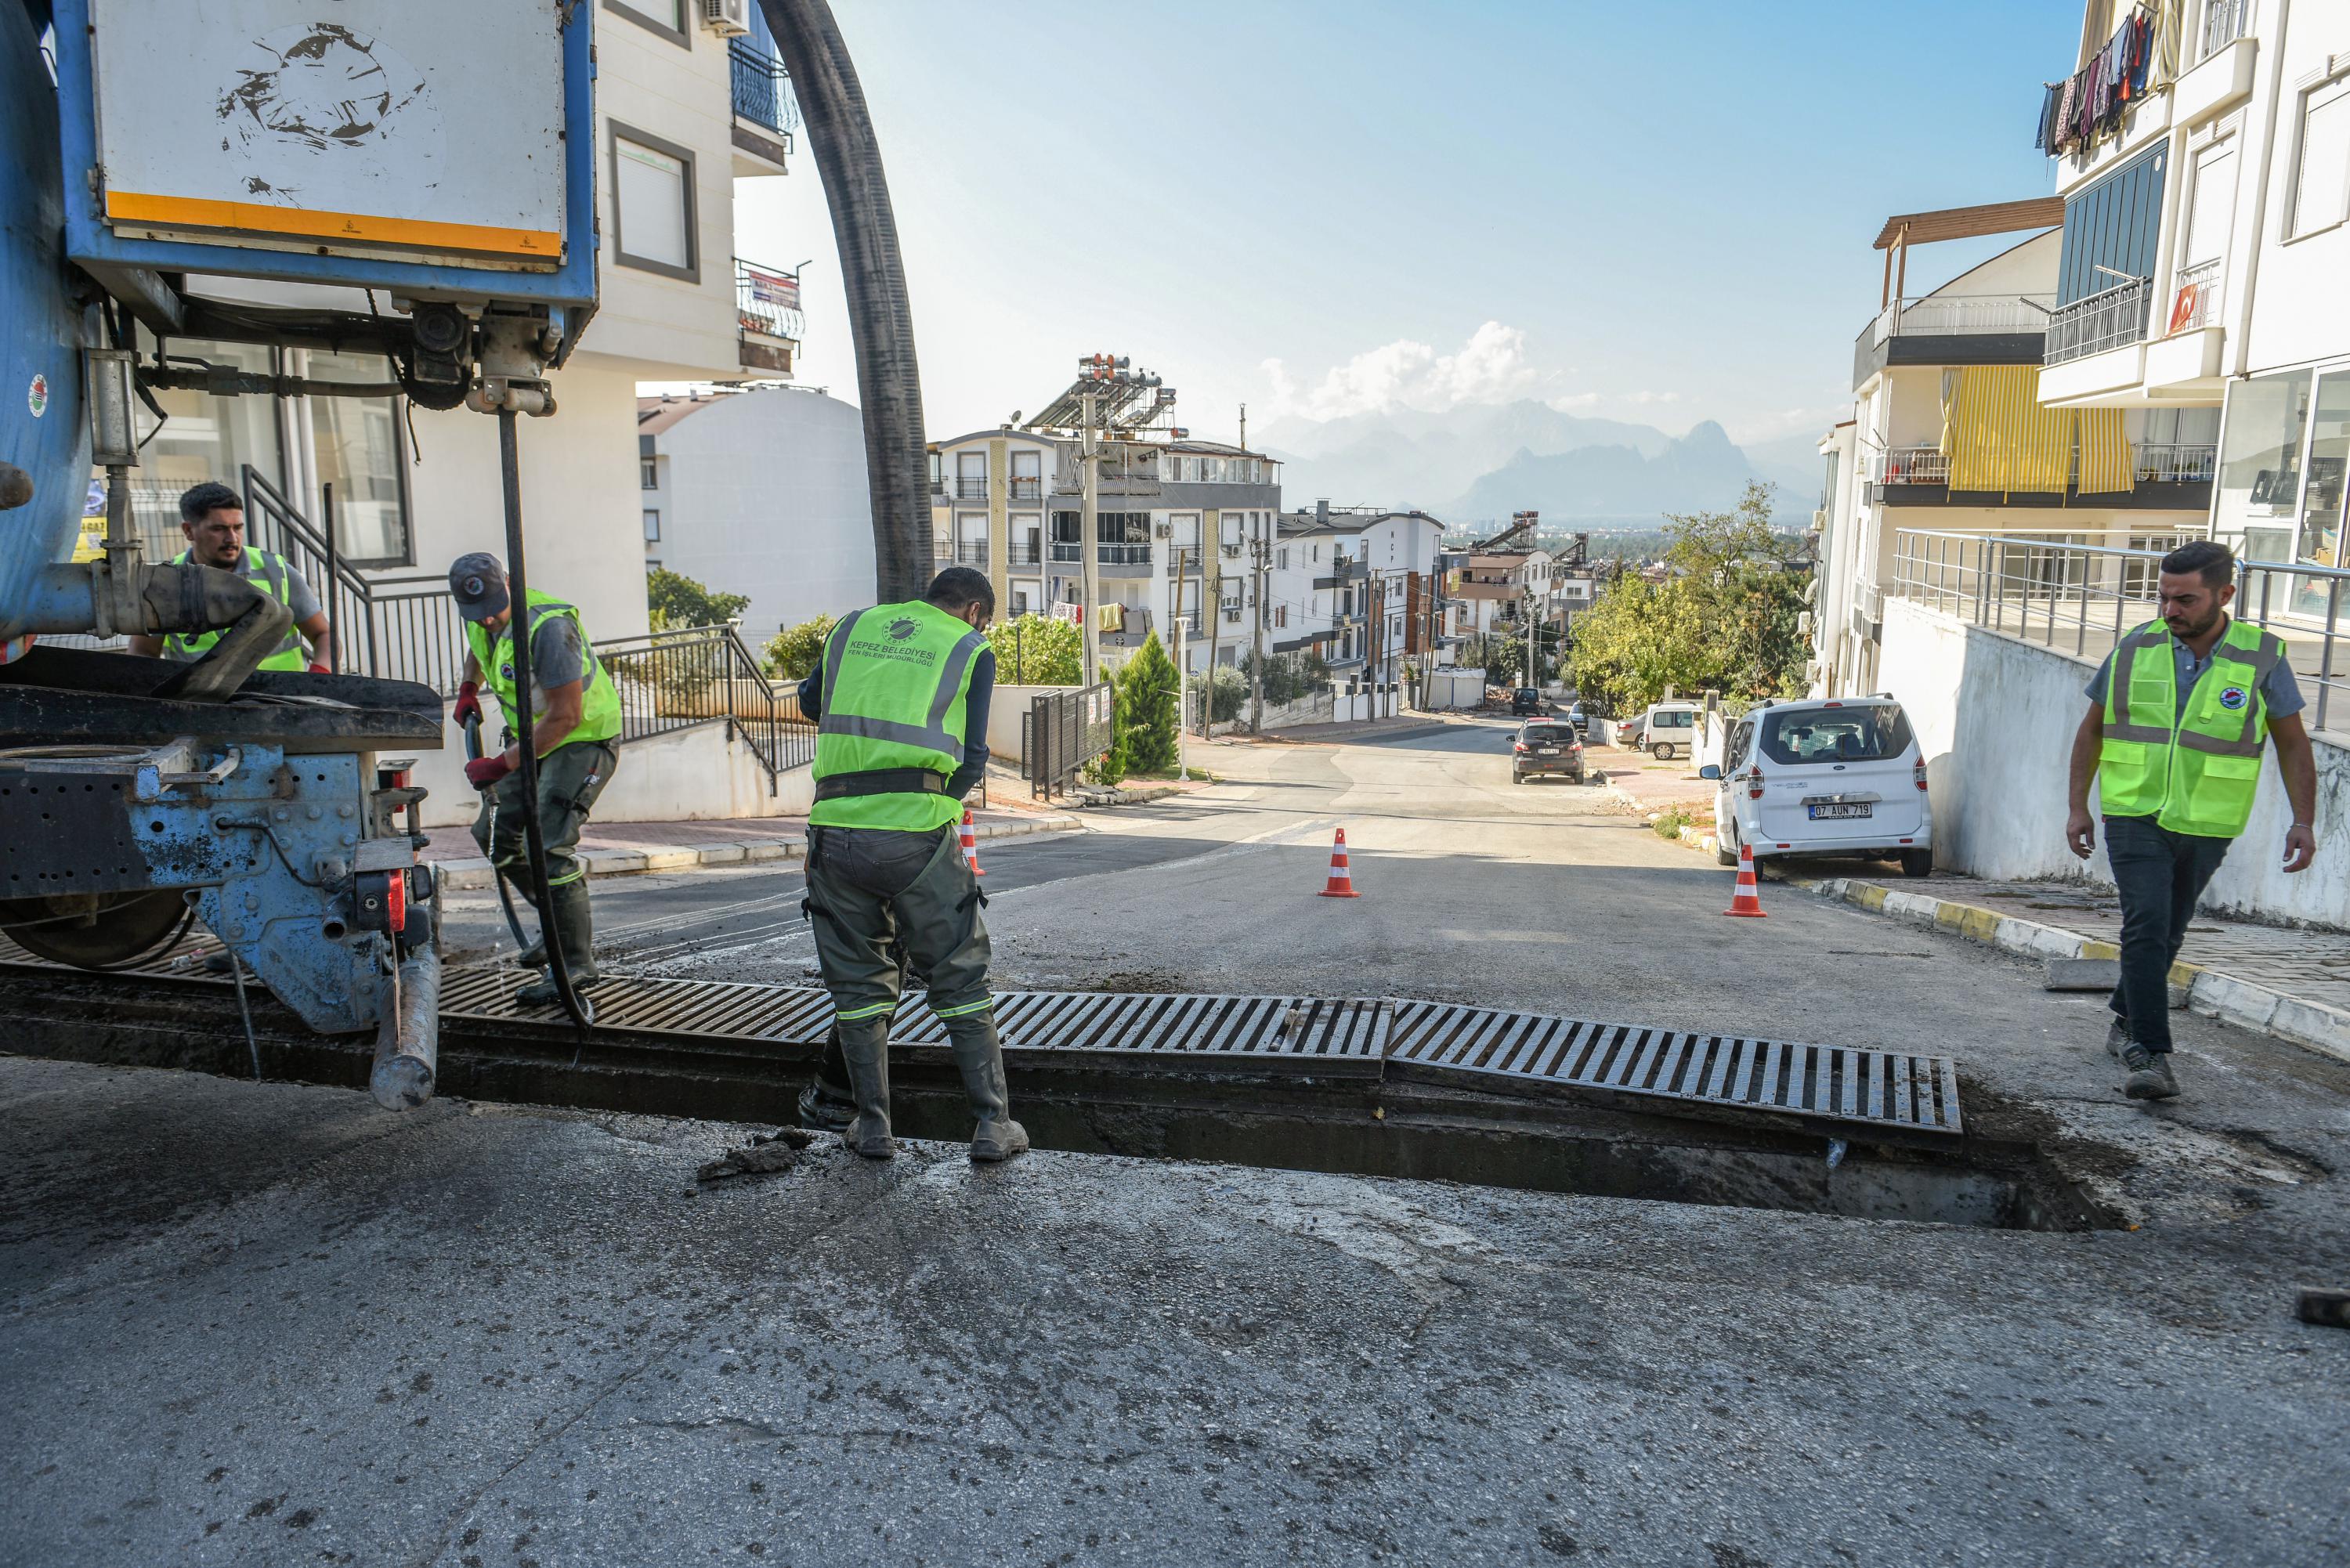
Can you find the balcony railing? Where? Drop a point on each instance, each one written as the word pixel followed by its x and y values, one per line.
pixel 1120 555
pixel 2114 318
pixel 1914 465
pixel 1946 316
pixel 2056 592
pixel 1027 487
pixel 2176 463
pixel 1028 554
pixel 1067 550
pixel 2224 22
pixel 767 301
pixel 761 89
pixel 2196 302
pixel 971 490
pixel 971 553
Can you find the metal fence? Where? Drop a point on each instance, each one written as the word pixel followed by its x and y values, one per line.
pixel 1060 734
pixel 2196 302
pixel 2083 599
pixel 2224 22
pixel 671 680
pixel 2113 318
pixel 761 89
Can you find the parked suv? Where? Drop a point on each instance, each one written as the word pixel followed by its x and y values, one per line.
pixel 1526 700
pixel 1549 747
pixel 1840 776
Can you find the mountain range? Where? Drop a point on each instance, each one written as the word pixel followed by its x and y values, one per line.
pixel 1480 461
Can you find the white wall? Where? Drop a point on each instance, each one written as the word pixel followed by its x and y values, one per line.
pixel 1995 719
pixel 765 494
pixel 687 775
pixel 2300 309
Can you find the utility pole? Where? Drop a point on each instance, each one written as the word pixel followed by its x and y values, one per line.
pixel 1263 560
pixel 1211 588
pixel 1089 485
pixel 1374 625
pixel 1175 629
pixel 1534 668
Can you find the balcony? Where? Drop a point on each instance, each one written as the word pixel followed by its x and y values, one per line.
pixel 767 320
pixel 1953 329
pixel 2112 318
pixel 1128 554
pixel 971 553
pixel 1137 627
pixel 2224 22
pixel 761 95
pixel 2170 476
pixel 970 489
pixel 1028 554
pixel 1027 487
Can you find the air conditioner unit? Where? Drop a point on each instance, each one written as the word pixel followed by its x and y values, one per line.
pixel 727 18
pixel 1162 530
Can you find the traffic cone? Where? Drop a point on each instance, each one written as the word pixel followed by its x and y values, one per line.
pixel 1747 901
pixel 971 845
pixel 1342 881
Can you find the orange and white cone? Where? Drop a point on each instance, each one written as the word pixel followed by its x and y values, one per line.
pixel 971 845
pixel 1747 902
pixel 1342 881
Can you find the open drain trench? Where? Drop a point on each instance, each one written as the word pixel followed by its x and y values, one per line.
pixel 1354 1086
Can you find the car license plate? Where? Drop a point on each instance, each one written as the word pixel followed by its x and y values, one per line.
pixel 1546 750
pixel 1843 808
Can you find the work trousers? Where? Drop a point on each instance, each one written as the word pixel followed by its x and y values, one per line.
pixel 2159 874
pixel 570 778
pixel 870 888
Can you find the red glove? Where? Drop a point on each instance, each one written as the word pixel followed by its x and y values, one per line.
pixel 318 669
pixel 469 702
pixel 483 772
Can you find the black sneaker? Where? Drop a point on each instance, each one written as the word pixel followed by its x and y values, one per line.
pixel 2149 1074
pixel 2118 1039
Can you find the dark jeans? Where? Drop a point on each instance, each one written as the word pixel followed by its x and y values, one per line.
pixel 2159 874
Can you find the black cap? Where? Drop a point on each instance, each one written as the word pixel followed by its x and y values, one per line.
pixel 479 583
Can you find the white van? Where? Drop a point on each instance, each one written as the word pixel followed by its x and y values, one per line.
pixel 1841 776
pixel 1669 729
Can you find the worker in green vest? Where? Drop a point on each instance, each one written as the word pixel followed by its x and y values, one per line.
pixel 900 702
pixel 2179 716
pixel 575 713
pixel 212 519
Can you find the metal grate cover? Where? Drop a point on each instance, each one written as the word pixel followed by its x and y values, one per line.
pixel 1838 1083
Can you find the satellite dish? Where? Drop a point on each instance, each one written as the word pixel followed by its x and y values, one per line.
pixel 1014 419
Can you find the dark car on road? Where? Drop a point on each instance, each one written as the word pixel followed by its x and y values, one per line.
pixel 1549 749
pixel 1526 700
pixel 1581 715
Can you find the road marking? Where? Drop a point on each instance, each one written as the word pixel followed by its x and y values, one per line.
pixel 1541 939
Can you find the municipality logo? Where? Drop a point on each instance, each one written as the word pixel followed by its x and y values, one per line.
pixel 903 627
pixel 2233 698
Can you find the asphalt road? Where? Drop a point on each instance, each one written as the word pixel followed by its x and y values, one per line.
pixel 269 1325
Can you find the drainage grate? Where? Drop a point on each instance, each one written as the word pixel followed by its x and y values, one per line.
pixel 1298 1029
pixel 1837 1083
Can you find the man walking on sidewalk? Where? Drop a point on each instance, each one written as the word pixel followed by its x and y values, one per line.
pixel 900 702
pixel 2178 717
pixel 575 719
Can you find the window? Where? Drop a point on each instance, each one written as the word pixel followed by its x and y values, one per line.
pixel 1285 559
pixel 1875 734
pixel 2260 456
pixel 647 473
pixel 652 205
pixel 666 17
pixel 1741 740
pixel 2320 542
pixel 652 526
pixel 652 565
pixel 2211 199
pixel 356 448
pixel 2321 191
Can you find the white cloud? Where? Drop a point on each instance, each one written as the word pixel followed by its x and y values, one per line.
pixel 1789 421
pixel 1575 402
pixel 1489 368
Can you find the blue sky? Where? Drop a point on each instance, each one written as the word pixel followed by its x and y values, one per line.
pixel 1644 211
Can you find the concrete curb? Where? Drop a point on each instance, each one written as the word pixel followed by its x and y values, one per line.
pixel 2311 1026
pixel 471 874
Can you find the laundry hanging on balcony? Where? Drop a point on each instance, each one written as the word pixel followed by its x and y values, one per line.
pixel 2106 463
pixel 2087 106
pixel 1999 438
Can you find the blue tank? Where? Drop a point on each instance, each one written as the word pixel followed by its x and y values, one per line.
pixel 42 426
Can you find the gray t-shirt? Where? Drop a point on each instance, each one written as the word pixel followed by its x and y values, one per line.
pixel 556 657
pixel 300 596
pixel 2279 689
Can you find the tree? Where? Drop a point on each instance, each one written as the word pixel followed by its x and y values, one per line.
pixel 1147 693
pixel 1037 650
pixel 1723 616
pixel 794 653
pixel 676 602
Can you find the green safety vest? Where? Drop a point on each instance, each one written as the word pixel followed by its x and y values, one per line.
pixel 276 577
pixel 2194 771
pixel 599 700
pixel 895 677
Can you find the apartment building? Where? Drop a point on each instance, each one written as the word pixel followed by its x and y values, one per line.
pixel 681 113
pixel 760 492
pixel 1177 525
pixel 2207 236
pixel 1372 586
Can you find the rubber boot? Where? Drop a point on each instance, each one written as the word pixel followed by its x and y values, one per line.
pixel 980 1059
pixel 575 928
pixel 865 1046
pixel 828 1104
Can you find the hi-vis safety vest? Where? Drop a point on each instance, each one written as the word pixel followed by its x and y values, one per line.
pixel 599 700
pixel 277 578
pixel 891 733
pixel 2194 771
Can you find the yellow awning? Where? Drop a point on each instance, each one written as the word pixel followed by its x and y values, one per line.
pixel 2106 467
pixel 1999 438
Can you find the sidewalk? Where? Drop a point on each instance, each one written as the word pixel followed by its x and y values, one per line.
pixel 2291 984
pixel 623 848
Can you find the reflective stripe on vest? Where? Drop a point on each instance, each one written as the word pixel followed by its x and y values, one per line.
pixel 895 677
pixel 599 700
pixel 2195 770
pixel 276 580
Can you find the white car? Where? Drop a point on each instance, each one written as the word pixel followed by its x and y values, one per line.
pixel 1667 729
pixel 1837 776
